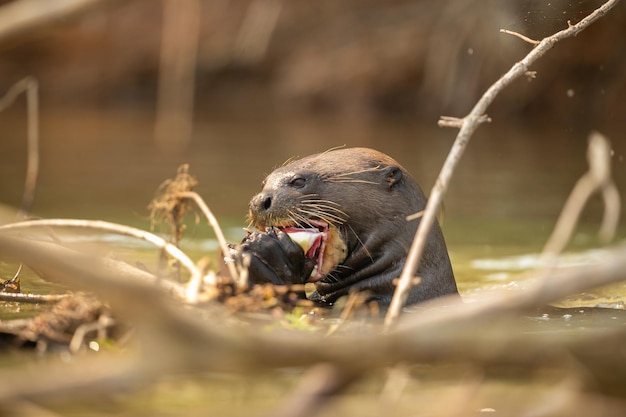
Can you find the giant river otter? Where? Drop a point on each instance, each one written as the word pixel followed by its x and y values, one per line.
pixel 347 208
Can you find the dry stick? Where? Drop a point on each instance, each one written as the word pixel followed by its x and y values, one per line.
pixel 30 86
pixel 598 178
pixel 195 284
pixel 469 124
pixel 519 35
pixel 216 228
pixel 31 298
pixel 172 250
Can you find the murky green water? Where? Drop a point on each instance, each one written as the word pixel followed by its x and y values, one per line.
pixel 499 211
pixel 502 203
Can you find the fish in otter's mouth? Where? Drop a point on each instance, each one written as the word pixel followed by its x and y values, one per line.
pixel 321 242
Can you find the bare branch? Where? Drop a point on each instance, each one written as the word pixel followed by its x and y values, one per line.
pixel 468 127
pixel 597 179
pixel 196 274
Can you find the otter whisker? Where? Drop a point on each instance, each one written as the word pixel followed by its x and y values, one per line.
pixel 330 209
pixel 344 267
pixel 290 160
pixel 315 198
pixel 351 180
pixel 328 217
pixel 349 176
pixel 300 219
pixel 317 215
pixel 321 203
pixel 362 171
pixel 331 278
pixel 339 217
pixel 334 148
pixel 369 255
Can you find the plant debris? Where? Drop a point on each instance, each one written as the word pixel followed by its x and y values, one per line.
pixel 77 315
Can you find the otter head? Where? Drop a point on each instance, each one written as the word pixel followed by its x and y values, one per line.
pixel 357 198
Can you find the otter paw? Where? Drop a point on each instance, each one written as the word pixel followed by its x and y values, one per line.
pixel 274 258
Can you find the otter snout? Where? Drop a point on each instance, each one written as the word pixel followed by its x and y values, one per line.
pixel 261 202
pixel 263 209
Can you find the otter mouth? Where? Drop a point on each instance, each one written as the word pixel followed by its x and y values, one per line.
pixel 313 239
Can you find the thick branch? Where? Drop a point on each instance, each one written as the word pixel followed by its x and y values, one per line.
pixel 175 339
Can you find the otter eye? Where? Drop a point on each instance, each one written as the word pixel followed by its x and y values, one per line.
pixel 297 182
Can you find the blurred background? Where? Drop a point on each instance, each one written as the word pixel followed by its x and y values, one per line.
pixel 131 89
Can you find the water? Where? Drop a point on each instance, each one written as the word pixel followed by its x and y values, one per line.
pixel 503 200
pixel 500 209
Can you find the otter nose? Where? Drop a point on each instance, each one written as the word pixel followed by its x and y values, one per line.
pixel 261 202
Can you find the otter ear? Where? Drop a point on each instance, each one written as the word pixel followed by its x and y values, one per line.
pixel 393 175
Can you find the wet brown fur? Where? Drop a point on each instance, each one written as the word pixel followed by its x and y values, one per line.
pixel 365 196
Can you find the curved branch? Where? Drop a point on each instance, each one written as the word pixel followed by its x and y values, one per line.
pixel 173 251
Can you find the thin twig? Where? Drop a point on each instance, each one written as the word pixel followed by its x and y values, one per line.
pixel 519 35
pixel 31 298
pixel 415 216
pixel 468 127
pixel 216 228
